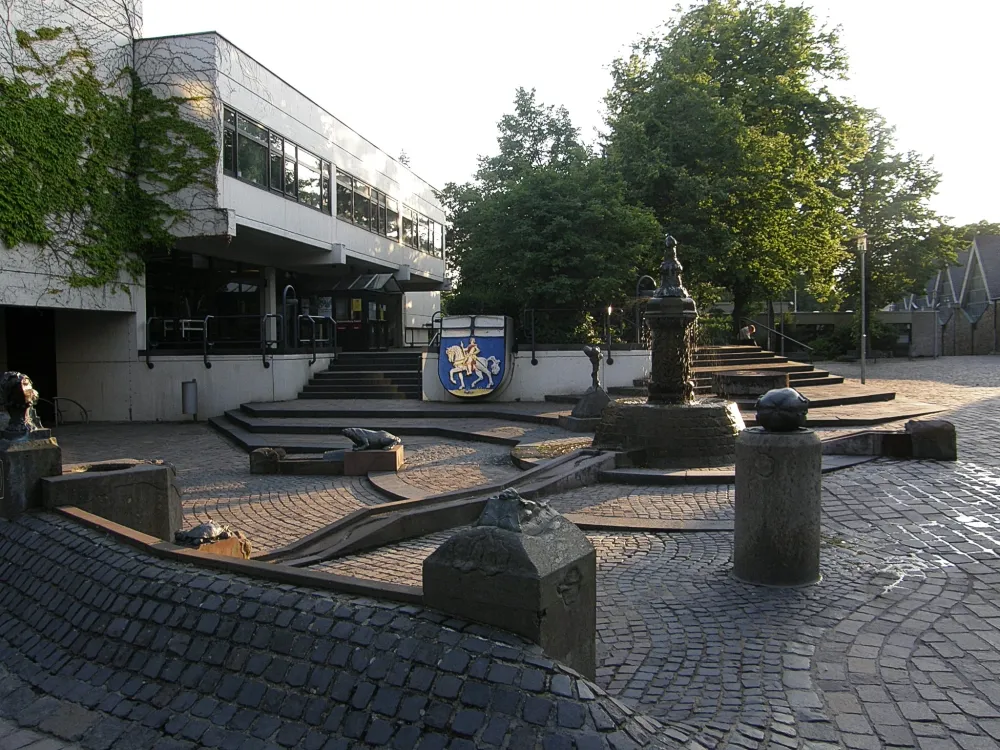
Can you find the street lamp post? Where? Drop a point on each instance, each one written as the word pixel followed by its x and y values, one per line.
pixel 611 360
pixel 862 250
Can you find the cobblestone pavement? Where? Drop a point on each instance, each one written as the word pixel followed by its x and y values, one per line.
pixel 104 646
pixel 275 510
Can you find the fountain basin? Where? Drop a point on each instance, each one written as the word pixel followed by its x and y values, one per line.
pixel 701 434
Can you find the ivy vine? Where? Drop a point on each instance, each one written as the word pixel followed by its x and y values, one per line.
pixel 88 168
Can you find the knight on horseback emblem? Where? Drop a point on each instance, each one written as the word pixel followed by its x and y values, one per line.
pixel 473 354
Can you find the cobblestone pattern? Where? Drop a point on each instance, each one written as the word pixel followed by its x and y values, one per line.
pixel 452 465
pixel 13 737
pixel 685 502
pixel 276 510
pixel 402 562
pixel 115 649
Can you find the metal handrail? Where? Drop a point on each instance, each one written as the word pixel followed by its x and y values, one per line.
pixel 312 339
pixel 779 333
pixel 204 342
pixel 279 320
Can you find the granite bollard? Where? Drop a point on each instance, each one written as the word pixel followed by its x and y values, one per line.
pixel 525 568
pixel 778 502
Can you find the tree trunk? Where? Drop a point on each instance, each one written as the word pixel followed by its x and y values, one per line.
pixel 741 306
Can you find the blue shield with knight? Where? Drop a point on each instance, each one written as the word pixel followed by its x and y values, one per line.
pixel 475 354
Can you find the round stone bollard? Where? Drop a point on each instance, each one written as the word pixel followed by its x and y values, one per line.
pixel 778 499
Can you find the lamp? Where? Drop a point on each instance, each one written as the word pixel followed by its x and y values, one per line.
pixel 862 250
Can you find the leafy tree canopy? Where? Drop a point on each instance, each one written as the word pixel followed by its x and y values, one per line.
pixel 888 196
pixel 726 129
pixel 545 225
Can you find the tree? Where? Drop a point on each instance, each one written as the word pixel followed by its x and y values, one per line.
pixel 725 128
pixel 404 158
pixel 544 225
pixel 888 195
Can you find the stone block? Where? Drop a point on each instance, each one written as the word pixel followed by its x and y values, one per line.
pixel 524 568
pixel 933 439
pixel 359 463
pixel 142 495
pixel 745 385
pixel 266 460
pixel 591 404
pixel 23 464
pixel 778 504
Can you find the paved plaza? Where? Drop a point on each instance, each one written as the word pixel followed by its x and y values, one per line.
pixel 898 646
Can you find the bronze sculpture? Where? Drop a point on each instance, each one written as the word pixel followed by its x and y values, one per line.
pixel 18 397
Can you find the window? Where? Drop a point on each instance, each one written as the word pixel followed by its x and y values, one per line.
pixel 277 164
pixel 251 151
pixel 308 179
pixel 438 240
pixel 423 234
pixel 392 219
pixel 255 154
pixel 362 204
pixel 409 227
pixel 345 196
pixel 325 176
pixel 381 214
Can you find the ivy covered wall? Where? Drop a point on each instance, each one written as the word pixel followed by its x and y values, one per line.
pixel 91 159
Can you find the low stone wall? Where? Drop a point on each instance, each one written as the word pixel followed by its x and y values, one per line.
pixel 141 495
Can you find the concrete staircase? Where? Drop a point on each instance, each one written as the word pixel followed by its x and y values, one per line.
pixel 712 359
pixel 371 375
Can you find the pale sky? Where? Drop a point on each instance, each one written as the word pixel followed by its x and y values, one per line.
pixel 931 69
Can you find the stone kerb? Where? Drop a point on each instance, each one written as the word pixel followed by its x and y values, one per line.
pixel 524 568
pixel 142 495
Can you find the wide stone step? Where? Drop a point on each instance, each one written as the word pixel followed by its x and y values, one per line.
pixel 373 367
pixel 737 361
pixel 352 394
pixel 332 378
pixel 372 387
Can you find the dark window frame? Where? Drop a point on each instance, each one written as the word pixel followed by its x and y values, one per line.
pixel 288 190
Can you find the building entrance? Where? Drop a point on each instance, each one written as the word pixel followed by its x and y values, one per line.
pixel 368 311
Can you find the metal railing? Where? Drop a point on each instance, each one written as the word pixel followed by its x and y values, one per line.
pixel 206 335
pixel 57 411
pixel 616 326
pixel 783 336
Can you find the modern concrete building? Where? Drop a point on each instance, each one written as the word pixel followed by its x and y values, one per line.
pixel 312 235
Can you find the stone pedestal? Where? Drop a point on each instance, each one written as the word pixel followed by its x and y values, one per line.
pixel 359 463
pixel 23 464
pixel 526 569
pixel 672 436
pixel 933 439
pixel 778 502
pixel 586 414
pixel 142 495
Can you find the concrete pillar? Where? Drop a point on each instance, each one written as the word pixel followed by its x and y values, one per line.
pixel 778 503
pixel 23 465
pixel 524 568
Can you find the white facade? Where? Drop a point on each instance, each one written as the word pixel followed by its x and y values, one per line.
pixel 558 373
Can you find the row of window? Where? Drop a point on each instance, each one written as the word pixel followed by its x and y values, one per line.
pixel 372 209
pixel 255 154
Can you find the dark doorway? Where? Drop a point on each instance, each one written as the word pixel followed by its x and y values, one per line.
pixel 31 349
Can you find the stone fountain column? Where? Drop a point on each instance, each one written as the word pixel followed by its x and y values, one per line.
pixel 670 429
pixel 671 315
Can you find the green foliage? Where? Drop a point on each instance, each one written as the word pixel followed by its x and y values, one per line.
pixel 844 340
pixel 888 195
pixel 725 128
pixel 86 173
pixel 714 330
pixel 545 225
